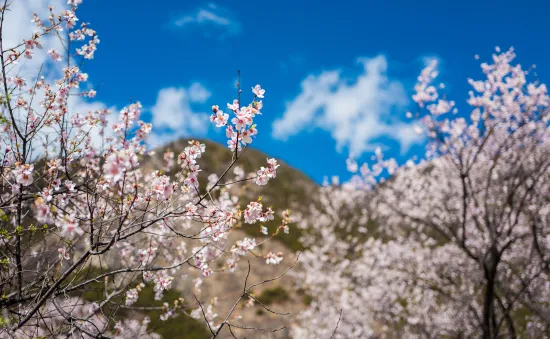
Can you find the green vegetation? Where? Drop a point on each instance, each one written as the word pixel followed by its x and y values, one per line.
pixel 306 298
pixel 273 295
pixel 178 327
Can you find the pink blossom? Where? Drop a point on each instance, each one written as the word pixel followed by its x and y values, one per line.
pixel 274 258
pixel 253 212
pixel 243 246
pixel 219 118
pixel 233 106
pixel 132 296
pixel 23 174
pixel 63 254
pixel 258 91
pixel 162 187
pixel 54 55
pixel 70 227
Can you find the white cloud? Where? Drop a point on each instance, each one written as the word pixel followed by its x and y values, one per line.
pixel 173 115
pixel 210 15
pixel 198 93
pixel 18 27
pixel 355 113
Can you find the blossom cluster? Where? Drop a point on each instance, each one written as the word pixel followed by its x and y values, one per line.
pixel 242 127
pixel 81 206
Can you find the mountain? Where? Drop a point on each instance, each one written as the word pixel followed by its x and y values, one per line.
pixel 291 189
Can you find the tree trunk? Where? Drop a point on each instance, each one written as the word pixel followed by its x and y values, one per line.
pixel 489 317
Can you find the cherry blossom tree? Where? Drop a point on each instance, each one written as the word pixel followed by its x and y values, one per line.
pixel 461 247
pixel 84 229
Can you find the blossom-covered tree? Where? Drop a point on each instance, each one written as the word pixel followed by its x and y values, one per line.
pixel 462 246
pixel 84 229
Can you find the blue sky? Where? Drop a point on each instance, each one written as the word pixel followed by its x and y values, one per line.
pixel 338 74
